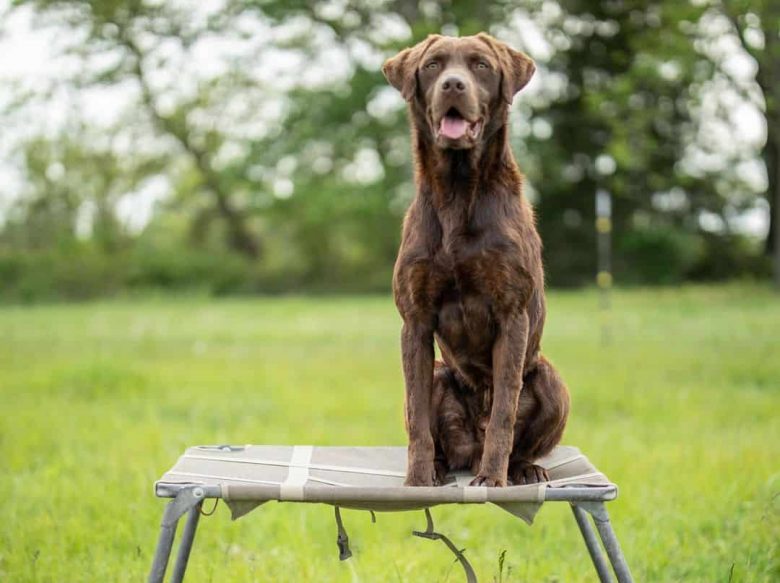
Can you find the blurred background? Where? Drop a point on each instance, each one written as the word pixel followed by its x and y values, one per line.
pixel 220 185
pixel 254 147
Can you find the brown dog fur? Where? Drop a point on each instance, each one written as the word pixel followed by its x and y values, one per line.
pixel 469 274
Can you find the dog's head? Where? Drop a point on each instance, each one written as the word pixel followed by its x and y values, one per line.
pixel 459 88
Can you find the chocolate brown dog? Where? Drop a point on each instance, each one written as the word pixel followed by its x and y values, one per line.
pixel 469 273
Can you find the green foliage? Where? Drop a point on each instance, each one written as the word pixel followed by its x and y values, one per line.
pixel 729 256
pixel 78 274
pixel 83 272
pixel 185 269
pixel 656 255
pixel 314 200
pixel 617 106
pixel 680 409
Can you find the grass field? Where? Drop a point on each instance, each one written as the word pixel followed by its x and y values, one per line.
pixel 681 409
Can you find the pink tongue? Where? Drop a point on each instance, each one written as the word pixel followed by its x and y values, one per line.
pixel 453 127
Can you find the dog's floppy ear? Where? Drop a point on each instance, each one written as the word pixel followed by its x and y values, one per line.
pixel 516 68
pixel 401 70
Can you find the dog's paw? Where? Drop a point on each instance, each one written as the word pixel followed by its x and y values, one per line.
pixel 489 481
pixel 523 473
pixel 421 474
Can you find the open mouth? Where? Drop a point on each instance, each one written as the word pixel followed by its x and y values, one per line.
pixel 454 126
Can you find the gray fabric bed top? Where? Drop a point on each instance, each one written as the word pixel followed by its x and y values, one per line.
pixel 367 478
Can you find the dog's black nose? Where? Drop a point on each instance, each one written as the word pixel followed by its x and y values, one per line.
pixel 454 84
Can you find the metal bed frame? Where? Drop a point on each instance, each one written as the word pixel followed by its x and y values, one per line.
pixel 587 504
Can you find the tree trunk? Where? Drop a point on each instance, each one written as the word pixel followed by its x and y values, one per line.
pixel 772 160
pixel 768 78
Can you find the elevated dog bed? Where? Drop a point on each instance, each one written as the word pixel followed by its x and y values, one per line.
pixel 369 478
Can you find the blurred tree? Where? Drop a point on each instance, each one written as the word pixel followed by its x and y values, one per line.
pixel 621 116
pixel 130 38
pixel 72 190
pixel 350 140
pixel 757 26
pixel 276 136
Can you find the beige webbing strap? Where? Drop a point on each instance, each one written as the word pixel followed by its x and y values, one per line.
pixel 292 487
pixel 429 533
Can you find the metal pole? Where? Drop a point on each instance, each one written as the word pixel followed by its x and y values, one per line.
pixel 187 498
pixel 164 546
pixel 604 248
pixel 612 546
pixel 185 546
pixel 592 543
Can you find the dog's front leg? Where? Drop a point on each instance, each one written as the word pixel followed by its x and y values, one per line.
pixel 508 360
pixel 417 354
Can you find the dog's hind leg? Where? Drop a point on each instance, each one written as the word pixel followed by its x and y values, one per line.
pixel 453 431
pixel 541 418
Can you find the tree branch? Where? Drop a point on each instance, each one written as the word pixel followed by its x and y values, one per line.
pixel 241 238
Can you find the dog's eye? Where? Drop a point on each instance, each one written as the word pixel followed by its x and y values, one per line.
pixel 482 65
pixel 432 65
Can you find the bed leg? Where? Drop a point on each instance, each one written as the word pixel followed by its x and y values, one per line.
pixel 614 552
pixel 188 499
pixel 164 546
pixel 608 538
pixel 592 542
pixel 185 546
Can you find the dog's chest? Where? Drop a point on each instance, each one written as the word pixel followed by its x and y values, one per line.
pixel 470 259
pixel 462 247
pixel 475 264
pixel 459 267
